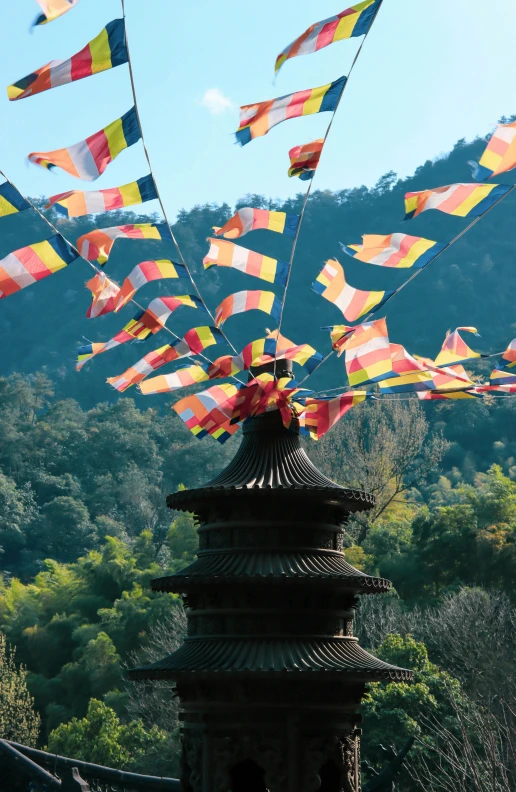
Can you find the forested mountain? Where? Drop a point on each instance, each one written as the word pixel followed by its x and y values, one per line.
pixel 84 474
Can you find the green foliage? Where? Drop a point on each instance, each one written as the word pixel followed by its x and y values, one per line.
pixel 101 738
pixel 392 712
pixel 18 720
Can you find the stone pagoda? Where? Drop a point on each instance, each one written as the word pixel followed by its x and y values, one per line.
pixel 270 676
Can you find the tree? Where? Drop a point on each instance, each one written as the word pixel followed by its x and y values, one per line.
pixel 101 738
pixel 383 449
pixel 18 720
pixel 17 510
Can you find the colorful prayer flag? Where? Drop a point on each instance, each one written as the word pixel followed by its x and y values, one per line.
pixel 320 415
pixel 105 51
pixel 368 353
pixel 461 200
pixel 193 343
pixel 257 119
pixel 339 335
pixel 438 396
pixel 509 356
pixel 248 219
pixel 227 254
pixel 30 264
pixel 89 159
pixel 97 245
pixel 77 203
pixel 502 378
pixel 104 293
pixel 146 272
pixel 52 9
pixel 352 22
pixel 142 325
pixel 242 301
pixel 455 349
pixel 166 383
pixel 201 412
pixel 225 366
pixel 304 160
pixel 353 303
pixel 11 201
pixel 394 250
pixel 499 155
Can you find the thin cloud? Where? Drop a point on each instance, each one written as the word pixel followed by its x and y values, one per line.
pixel 215 101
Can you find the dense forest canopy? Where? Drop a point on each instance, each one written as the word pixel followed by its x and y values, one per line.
pixel 84 474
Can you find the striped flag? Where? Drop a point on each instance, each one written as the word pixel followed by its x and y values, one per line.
pixel 243 301
pixel 320 415
pixel 461 200
pixel 509 356
pixel 30 264
pixel 368 353
pixel 394 250
pixel 104 52
pixel 202 415
pixel 502 378
pixel 225 366
pixel 353 303
pixel 436 395
pixel 146 272
pixel 52 9
pixel 166 383
pixel 88 159
pixel 195 341
pixel 104 293
pixel 77 203
pixel 500 154
pixel 141 326
pixel 97 245
pixel 352 22
pixel 257 119
pixel 227 254
pixel 305 159
pixel 248 219
pixel 11 201
pixel 455 349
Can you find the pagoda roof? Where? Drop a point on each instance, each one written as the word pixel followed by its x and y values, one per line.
pixel 271 459
pixel 292 655
pixel 254 567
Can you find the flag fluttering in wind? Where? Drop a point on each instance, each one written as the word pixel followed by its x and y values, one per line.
pixel 166 383
pixel 243 301
pixel 509 356
pixel 105 51
pixel 462 200
pixel 368 353
pixel 97 245
pixel 146 272
pixel 304 160
pixel 52 9
pixel 11 201
pixel 201 413
pixel 498 377
pixel 257 119
pixel 104 293
pixel 354 21
pixel 78 203
pixel 194 342
pixel 499 155
pixel 320 415
pixel 394 250
pixel 455 349
pixel 248 219
pixel 225 366
pixel 223 253
pixel 141 326
pixel 438 396
pixel 88 159
pixel 354 303
pixel 30 264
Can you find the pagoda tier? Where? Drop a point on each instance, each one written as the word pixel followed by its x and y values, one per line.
pixel 270 676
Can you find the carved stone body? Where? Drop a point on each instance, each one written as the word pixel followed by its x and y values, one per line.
pixel 270 677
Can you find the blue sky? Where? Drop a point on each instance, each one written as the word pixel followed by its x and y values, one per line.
pixel 431 71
